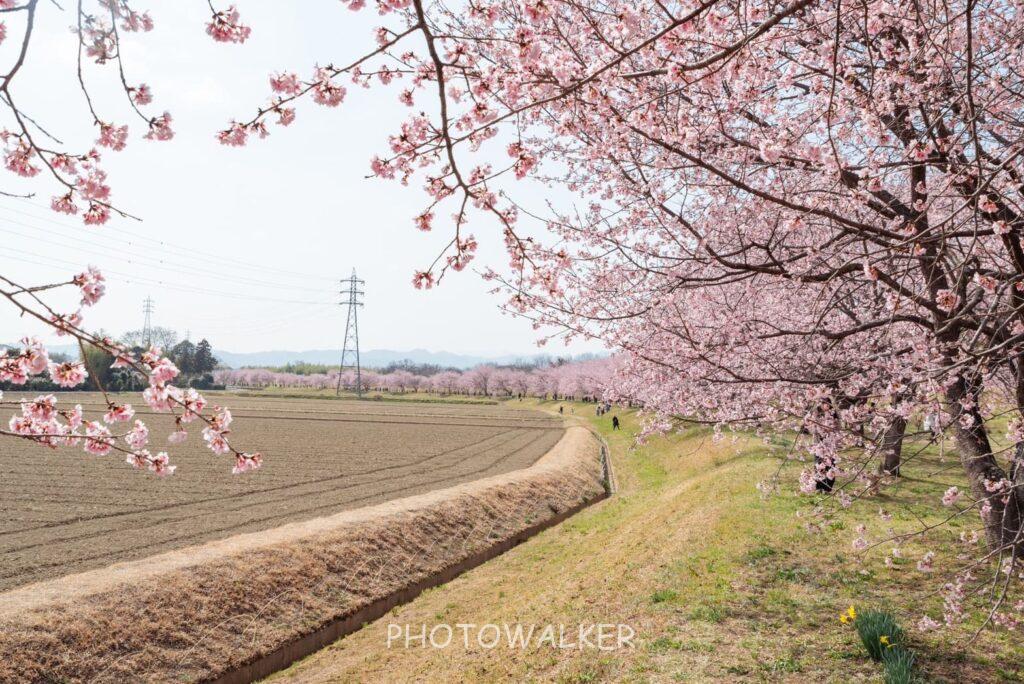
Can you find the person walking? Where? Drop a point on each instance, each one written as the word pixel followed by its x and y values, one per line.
pixel 615 422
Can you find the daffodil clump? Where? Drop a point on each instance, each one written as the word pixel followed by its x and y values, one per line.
pixel 884 640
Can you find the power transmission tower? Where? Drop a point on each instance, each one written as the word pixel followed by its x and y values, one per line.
pixel 353 288
pixel 147 326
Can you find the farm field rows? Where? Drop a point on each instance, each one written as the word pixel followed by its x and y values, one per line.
pixel 64 511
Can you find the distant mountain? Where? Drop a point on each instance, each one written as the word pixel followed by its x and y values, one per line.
pixel 373 358
pixel 70 350
pixel 65 349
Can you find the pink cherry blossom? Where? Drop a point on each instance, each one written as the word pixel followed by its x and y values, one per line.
pixel 285 116
pixel 951 496
pixel 234 136
pixel 926 562
pixel 423 279
pixel 42 407
pixel 286 84
pixel 68 374
pixel 64 204
pixel 65 323
pixel 91 284
pixel 142 94
pixel 119 413
pixel 96 214
pixel 138 436
pixel 325 92
pixel 162 372
pixel 225 27
pixel 112 136
pixel 947 300
pixel 19 159
pixel 160 464
pixel 160 128
pixel 98 440
pixel 423 221
pixel 247 462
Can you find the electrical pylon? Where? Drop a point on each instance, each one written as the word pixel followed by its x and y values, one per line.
pixel 147 326
pixel 353 288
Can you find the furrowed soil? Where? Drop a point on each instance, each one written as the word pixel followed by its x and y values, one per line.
pixel 64 511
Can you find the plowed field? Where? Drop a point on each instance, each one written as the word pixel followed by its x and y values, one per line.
pixel 64 511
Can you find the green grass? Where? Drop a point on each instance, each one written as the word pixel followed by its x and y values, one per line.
pixel 720 583
pixel 664 596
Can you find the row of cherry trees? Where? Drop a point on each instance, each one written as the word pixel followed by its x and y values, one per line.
pixel 799 216
pixel 582 380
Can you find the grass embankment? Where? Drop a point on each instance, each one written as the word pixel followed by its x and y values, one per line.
pixel 719 583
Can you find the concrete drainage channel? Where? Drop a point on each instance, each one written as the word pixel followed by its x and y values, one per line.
pixel 308 644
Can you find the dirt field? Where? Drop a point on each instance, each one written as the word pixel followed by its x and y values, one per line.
pixel 65 511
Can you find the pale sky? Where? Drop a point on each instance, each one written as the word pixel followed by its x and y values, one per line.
pixel 257 236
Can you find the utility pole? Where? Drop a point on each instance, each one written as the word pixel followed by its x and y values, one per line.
pixel 352 287
pixel 147 326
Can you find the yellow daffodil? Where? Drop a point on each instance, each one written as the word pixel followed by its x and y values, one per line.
pixel 884 640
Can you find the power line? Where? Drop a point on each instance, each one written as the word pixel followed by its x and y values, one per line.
pixel 119 254
pixel 277 323
pixel 188 251
pixel 297 310
pixel 133 279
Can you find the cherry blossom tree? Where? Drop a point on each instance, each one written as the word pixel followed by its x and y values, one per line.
pixel 445 382
pixel 480 379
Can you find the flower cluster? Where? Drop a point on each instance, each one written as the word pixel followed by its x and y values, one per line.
pixel 225 27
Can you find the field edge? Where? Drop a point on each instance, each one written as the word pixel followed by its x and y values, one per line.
pixel 215 608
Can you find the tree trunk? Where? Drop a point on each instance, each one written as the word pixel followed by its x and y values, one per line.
pixel 977 460
pixel 822 482
pixel 892 447
pixel 1013 514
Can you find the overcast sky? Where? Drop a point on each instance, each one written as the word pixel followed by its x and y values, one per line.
pixel 254 238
